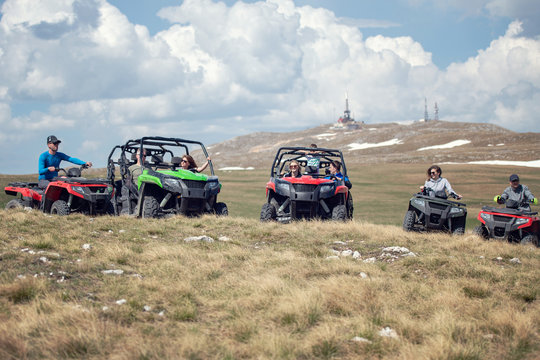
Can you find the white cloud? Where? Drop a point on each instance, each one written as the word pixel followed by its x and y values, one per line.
pixel 220 71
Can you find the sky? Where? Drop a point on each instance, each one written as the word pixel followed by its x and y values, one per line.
pixel 96 73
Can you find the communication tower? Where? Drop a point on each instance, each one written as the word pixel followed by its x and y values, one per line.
pixel 426 116
pixel 436 112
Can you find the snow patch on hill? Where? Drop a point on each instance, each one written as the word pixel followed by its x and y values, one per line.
pixel 235 168
pixel 325 135
pixel 446 146
pixel 357 146
pixel 533 163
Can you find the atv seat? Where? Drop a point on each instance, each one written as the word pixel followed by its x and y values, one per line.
pixel 133 159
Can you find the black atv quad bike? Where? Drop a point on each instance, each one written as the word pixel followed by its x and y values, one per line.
pixel 316 194
pixel 516 223
pixel 435 213
pixel 163 187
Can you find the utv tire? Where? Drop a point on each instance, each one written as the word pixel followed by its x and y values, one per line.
pixel 268 212
pixel 150 207
pixel 339 213
pixel 60 207
pixel 15 204
pixel 481 231
pixel 530 240
pixel 458 226
pixel 409 220
pixel 350 206
pixel 221 209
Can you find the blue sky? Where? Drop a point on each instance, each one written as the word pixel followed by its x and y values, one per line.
pixel 96 72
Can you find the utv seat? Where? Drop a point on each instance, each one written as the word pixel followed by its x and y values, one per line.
pixel 175 162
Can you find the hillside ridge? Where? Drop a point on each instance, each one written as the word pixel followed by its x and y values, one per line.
pixel 416 142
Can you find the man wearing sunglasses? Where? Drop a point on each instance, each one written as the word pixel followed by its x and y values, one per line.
pixel 50 160
pixel 517 195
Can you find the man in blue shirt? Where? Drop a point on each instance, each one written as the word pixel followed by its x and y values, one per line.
pixel 50 160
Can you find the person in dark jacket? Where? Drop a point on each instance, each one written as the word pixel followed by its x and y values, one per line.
pixel 517 195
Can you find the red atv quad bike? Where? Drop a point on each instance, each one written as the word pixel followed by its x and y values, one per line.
pixel 29 192
pixel 314 194
pixel 516 223
pixel 65 194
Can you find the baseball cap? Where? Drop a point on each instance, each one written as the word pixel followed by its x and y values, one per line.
pixel 52 139
pixel 514 177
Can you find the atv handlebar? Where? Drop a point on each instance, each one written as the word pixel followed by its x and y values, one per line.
pixel 499 200
pixel 68 174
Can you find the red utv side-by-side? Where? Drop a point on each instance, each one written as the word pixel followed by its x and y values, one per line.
pixel 313 195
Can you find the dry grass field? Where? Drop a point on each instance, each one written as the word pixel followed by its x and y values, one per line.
pixel 125 288
pixel 267 291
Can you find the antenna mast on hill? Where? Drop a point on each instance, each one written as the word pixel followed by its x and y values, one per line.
pixel 436 112
pixel 426 116
pixel 347 112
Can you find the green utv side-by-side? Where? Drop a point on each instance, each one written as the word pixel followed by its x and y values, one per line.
pixel 163 187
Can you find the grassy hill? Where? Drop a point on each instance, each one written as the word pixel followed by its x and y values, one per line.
pixel 127 288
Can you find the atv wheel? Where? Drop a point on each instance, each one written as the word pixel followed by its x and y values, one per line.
pixel 221 209
pixel 15 204
pixel 268 212
pixel 109 208
pixel 481 231
pixel 458 226
pixel 409 220
pixel 60 207
pixel 530 240
pixel 339 213
pixel 150 207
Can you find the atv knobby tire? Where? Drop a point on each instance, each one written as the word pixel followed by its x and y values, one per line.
pixel 150 207
pixel 268 212
pixel 458 226
pixel 221 209
pixel 481 231
pixel 15 204
pixel 530 240
pixel 339 213
pixel 409 220
pixel 60 207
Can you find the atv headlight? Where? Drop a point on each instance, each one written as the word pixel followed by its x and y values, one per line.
pixel 521 221
pixel 283 187
pixel 172 185
pixel 327 190
pixel 419 202
pixel 78 189
pixel 486 217
pixel 456 210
